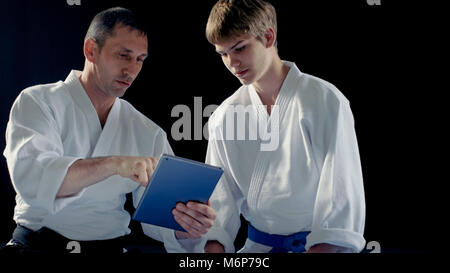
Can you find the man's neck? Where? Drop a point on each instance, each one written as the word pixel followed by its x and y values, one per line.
pixel 101 101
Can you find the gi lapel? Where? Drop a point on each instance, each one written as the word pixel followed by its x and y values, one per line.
pixel 84 103
pixel 282 102
pixel 103 146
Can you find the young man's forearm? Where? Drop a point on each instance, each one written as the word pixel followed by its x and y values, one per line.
pixel 328 248
pixel 214 247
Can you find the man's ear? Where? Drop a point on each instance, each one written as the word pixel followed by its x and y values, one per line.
pixel 270 37
pixel 90 49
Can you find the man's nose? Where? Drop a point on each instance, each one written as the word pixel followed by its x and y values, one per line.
pixel 132 69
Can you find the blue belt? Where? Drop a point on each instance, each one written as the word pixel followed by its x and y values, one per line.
pixel 280 243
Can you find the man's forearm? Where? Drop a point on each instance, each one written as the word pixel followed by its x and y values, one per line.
pixel 85 172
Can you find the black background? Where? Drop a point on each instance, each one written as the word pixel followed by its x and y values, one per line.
pixel 374 54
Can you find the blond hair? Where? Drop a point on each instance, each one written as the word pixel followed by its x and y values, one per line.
pixel 232 18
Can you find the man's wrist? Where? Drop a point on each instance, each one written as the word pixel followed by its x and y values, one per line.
pixel 112 164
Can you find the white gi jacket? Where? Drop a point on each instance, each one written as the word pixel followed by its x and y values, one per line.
pixel 53 125
pixel 312 180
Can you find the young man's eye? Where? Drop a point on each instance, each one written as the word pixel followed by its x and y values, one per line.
pixel 239 49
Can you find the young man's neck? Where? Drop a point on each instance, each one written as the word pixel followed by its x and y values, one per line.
pixel 101 101
pixel 270 83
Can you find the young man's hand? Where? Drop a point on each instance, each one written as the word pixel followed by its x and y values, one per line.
pixel 214 247
pixel 328 248
pixel 196 218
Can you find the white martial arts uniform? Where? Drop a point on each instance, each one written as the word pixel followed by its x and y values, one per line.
pixel 53 125
pixel 312 180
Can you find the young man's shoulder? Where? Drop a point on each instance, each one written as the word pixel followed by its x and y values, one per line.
pixel 319 94
pixel 239 97
pixel 312 90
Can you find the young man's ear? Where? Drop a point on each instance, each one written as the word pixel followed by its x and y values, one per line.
pixel 270 37
pixel 90 49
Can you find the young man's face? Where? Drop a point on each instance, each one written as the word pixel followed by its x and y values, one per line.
pixel 246 57
pixel 120 60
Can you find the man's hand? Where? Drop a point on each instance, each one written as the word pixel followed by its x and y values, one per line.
pixel 139 169
pixel 196 218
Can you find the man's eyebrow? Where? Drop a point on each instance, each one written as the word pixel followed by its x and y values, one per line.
pixel 127 50
pixel 235 45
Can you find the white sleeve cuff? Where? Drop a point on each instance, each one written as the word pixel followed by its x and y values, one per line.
pixel 174 245
pixel 217 234
pixel 50 183
pixel 339 237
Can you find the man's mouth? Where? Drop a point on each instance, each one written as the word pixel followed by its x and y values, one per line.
pixel 124 83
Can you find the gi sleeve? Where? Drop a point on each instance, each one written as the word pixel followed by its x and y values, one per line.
pixel 339 210
pixel 226 199
pixel 35 155
pixel 162 234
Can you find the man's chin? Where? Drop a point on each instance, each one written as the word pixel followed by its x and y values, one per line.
pixel 118 93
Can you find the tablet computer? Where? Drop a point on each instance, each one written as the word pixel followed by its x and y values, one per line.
pixel 174 180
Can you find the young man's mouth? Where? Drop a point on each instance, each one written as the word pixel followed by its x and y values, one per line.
pixel 241 73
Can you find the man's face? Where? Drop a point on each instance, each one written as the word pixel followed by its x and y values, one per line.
pixel 246 57
pixel 120 60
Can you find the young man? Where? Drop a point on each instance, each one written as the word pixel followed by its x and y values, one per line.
pixel 304 194
pixel 75 149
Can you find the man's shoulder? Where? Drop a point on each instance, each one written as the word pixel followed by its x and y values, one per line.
pixel 45 95
pixel 132 115
pixel 43 90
